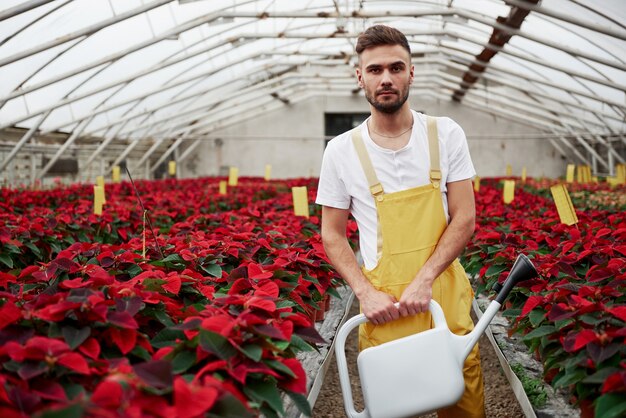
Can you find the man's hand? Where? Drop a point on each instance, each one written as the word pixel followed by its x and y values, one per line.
pixel 379 307
pixel 416 297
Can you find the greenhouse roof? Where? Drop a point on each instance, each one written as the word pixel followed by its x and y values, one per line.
pixel 138 69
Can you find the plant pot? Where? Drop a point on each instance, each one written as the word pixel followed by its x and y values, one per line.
pixel 326 302
pixel 586 409
pixel 320 314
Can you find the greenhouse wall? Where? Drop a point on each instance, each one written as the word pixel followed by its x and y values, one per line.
pixel 291 139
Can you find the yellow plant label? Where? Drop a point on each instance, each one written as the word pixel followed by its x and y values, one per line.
pixel 268 172
pixel 570 173
pixel 564 204
pixel 300 201
pixel 621 173
pixel 613 181
pixel 524 175
pixel 115 174
pixel 98 199
pixel 233 176
pixel 171 168
pixel 476 184
pixel 508 193
pixel 100 182
pixel 223 187
pixel 509 170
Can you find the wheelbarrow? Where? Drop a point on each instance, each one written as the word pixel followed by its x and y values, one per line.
pixel 422 372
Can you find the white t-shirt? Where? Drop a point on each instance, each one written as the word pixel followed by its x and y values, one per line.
pixel 343 184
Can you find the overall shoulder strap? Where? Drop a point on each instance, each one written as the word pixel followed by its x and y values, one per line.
pixel 366 163
pixel 433 146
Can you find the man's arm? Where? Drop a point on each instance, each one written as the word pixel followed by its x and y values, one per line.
pixel 417 295
pixel 377 306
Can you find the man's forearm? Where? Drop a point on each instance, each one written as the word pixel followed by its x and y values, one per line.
pixel 344 261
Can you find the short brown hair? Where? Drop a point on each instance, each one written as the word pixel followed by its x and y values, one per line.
pixel 381 35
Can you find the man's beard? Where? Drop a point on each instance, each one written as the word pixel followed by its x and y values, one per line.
pixel 388 107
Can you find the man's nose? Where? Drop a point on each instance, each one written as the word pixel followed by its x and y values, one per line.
pixel 386 78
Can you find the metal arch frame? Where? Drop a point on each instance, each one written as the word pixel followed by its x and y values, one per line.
pixel 106 87
pixel 22 8
pixel 138 75
pixel 183 27
pixel 83 118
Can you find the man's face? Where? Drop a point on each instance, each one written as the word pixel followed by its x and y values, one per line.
pixel 385 73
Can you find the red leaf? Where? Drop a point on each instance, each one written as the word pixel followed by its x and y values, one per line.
pixel 583 338
pixel 191 400
pixel 122 319
pixel 261 303
pixel 9 313
pixel 602 232
pixel 255 272
pixel 108 394
pixel 125 339
pixel 74 361
pixel 531 303
pixel 90 348
pixel 220 324
pixel 615 382
pixel 6 278
pixel 619 312
pixel 298 384
pixel 49 390
pixel 74 283
pixel 173 284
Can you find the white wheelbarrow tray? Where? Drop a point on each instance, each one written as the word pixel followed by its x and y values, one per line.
pixel 422 372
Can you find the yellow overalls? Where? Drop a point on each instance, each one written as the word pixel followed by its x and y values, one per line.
pixel 410 223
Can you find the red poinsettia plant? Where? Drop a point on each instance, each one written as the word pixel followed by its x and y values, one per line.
pixel 574 315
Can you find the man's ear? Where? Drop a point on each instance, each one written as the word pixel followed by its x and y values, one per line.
pixel 359 77
pixel 411 74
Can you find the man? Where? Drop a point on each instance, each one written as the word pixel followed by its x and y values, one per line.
pixel 406 179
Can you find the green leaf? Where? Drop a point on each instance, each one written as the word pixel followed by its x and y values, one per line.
pixel 569 378
pixel 299 344
pixel 33 248
pixel 265 391
pixel 512 313
pixel 611 405
pixel 183 361
pixel 163 318
pixel 562 323
pixel 4 257
pixel 540 332
pixel 253 351
pixel 301 402
pixel 212 269
pixel 536 317
pixel 141 353
pixel 72 411
pixel 216 344
pixel 133 270
pixel 590 319
pixel 600 376
pixel 495 270
pixel 229 407
pixel 75 337
pixel 277 365
pixel 166 338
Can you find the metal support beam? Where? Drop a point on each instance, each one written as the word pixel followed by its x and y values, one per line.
pixel 567 18
pixel 82 32
pixel 107 140
pixel 148 153
pixel 79 129
pixel 27 137
pixel 21 8
pixel 171 149
pixel 187 152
